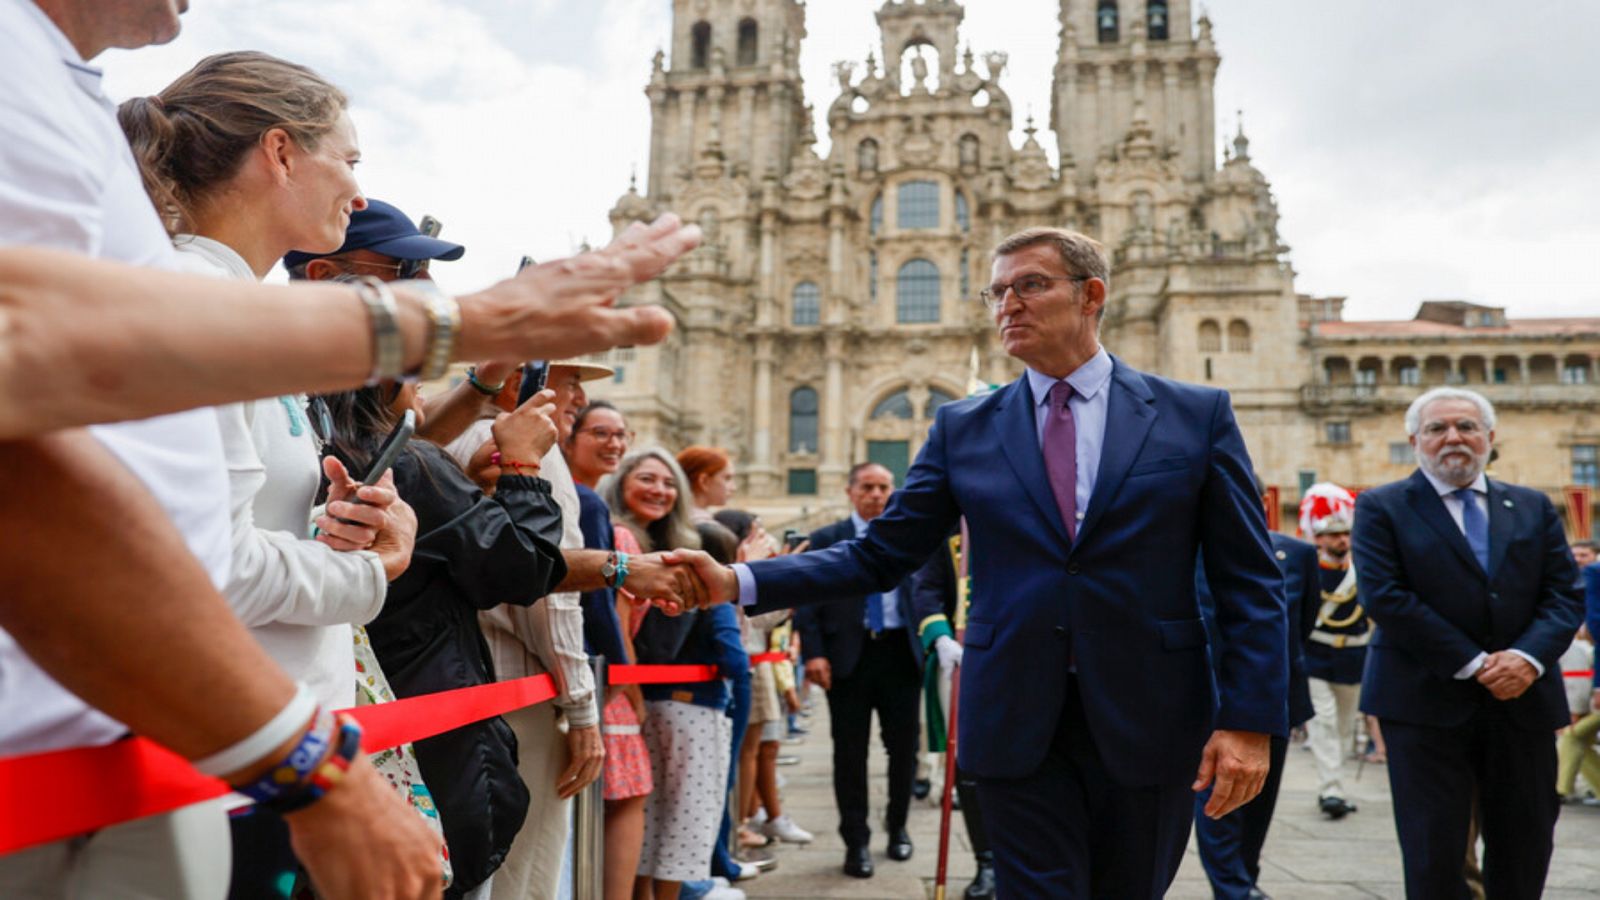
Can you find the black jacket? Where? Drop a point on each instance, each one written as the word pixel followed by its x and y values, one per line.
pixel 473 552
pixel 835 630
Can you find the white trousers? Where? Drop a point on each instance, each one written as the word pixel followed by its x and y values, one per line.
pixel 182 855
pixel 1331 730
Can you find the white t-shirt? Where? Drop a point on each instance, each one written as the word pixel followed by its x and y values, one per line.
pixel 68 181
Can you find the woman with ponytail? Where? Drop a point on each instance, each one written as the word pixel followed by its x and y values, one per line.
pixel 247 157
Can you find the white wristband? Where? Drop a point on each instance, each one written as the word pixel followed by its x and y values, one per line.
pixel 267 738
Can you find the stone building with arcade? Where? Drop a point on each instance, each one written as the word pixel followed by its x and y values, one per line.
pixel 834 304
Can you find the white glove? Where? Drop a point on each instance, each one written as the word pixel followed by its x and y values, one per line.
pixel 949 652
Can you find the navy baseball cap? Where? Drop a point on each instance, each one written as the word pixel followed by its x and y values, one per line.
pixel 383 229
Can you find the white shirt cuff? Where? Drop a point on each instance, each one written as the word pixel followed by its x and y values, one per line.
pixel 747 584
pixel 1537 666
pixel 1471 668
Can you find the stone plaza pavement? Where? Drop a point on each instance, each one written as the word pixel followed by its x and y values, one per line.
pixel 1306 855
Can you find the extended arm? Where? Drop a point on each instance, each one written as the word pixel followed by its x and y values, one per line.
pixel 87 341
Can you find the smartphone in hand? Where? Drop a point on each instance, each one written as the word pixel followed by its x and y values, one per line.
pixel 390 449
pixel 792 539
pixel 534 376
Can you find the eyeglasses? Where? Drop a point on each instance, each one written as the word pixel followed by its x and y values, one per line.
pixel 405 268
pixel 1026 288
pixel 1463 427
pixel 605 435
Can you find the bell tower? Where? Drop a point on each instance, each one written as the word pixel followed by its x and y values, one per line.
pixel 730 90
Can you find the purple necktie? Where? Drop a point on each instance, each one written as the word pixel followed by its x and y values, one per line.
pixel 1061 455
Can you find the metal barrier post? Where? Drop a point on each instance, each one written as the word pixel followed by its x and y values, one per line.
pixel 589 815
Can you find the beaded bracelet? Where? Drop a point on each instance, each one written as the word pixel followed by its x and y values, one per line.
pixel 285 778
pixel 329 773
pixel 515 465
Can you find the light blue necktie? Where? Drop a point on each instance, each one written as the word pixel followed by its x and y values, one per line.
pixel 1476 525
pixel 874 613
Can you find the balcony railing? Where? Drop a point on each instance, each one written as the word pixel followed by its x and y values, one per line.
pixel 1389 395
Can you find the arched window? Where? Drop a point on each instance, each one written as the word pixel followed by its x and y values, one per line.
pixel 803 420
pixel 1238 336
pixel 1210 336
pixel 867 157
pixel 875 222
pixel 1105 19
pixel 963 214
pixel 807 304
pixel 700 45
pixel 746 55
pixel 916 296
pixel 918 205
pixel 895 406
pixel 1158 20
pixel 936 399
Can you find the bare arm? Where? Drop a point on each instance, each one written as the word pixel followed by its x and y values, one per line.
pixel 66 589
pixel 84 341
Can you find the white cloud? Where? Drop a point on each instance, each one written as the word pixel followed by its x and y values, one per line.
pixel 1418 149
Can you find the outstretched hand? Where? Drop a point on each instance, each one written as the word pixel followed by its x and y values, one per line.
pixel 566 307
pixel 1237 761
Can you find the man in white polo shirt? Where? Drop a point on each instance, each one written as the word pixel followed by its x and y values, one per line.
pixel 68 181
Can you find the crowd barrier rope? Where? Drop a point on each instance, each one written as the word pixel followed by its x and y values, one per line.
pixel 49 796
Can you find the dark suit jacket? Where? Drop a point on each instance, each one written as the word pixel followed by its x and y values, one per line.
pixel 1436 608
pixel 1119 603
pixel 1303 598
pixel 834 629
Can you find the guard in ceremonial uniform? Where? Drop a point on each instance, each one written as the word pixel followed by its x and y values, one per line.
pixel 1336 651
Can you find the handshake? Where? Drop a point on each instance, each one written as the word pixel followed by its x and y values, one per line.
pixel 679 580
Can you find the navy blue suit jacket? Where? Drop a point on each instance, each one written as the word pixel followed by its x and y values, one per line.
pixel 1119 603
pixel 835 629
pixel 1303 599
pixel 1436 608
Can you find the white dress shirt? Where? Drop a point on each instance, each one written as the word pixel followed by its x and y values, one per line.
pixel 1453 505
pixel 68 181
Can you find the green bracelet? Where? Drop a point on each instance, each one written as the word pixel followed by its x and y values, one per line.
pixel 488 390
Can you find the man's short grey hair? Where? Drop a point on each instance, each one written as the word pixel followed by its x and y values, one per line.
pixel 1414 413
pixel 1081 254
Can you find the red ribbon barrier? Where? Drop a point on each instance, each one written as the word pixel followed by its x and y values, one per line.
pixel 775 656
pixel 49 796
pixel 1581 673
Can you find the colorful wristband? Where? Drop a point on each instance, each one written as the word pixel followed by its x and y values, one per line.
pixel 285 778
pixel 622 569
pixel 329 773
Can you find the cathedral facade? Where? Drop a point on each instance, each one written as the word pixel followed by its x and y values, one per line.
pixel 833 306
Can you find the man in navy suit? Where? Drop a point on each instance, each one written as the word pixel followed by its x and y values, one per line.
pixel 1471 584
pixel 1230 845
pixel 866 652
pixel 1089 711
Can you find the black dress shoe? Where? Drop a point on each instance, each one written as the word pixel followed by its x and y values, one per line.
pixel 899 845
pixel 1335 807
pixel 858 862
pixel 921 788
pixel 982 886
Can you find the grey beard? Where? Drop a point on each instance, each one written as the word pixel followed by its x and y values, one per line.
pixel 1450 473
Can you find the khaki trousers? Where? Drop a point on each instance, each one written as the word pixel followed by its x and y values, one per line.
pixel 181 855
pixel 1331 730
pixel 532 870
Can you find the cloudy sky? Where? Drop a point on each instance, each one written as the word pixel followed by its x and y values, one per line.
pixel 1419 150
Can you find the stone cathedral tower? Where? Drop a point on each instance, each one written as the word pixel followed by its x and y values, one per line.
pixel 832 308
